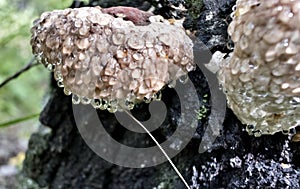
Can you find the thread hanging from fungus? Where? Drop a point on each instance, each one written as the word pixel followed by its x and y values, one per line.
pixel 261 78
pixel 110 62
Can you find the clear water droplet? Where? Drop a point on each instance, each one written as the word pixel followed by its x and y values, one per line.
pixel 243 43
pixel 285 132
pixel 59 59
pixel 85 100
pixel 293 131
pixel 158 96
pixel 114 102
pixel 234 8
pixel 60 84
pixel 147 100
pixel 67 92
pixel 136 42
pixel 38 57
pixel 131 97
pixel 58 76
pixel 172 84
pixel 96 103
pixel 252 66
pixel 230 45
pixel 51 67
pixel 183 79
pixel 250 128
pixel 257 133
pixel 295 101
pixel 103 105
pixel 220 87
pixel 118 38
pixel 75 99
pixel 129 104
pixel 190 67
pixel 111 109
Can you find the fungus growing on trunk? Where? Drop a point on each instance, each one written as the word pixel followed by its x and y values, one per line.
pixel 111 58
pixel 261 78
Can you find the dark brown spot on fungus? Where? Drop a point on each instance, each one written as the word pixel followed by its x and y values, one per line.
pixel 138 17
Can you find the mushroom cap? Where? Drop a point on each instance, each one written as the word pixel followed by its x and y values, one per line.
pixel 262 77
pixel 99 57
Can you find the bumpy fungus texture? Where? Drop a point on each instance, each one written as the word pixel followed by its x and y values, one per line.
pixel 261 78
pixel 107 60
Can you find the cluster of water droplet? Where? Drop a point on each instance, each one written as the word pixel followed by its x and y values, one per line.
pixel 261 78
pixel 109 62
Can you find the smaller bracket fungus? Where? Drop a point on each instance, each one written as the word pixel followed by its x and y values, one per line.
pixel 261 78
pixel 108 61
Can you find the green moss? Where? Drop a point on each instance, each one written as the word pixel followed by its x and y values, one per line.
pixel 202 112
pixel 194 8
pixel 26 183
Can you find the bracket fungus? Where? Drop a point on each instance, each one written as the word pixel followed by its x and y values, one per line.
pixel 261 78
pixel 111 58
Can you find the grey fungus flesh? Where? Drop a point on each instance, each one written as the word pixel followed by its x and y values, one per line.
pixel 103 59
pixel 261 78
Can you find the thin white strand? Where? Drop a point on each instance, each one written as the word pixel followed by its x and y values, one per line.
pixel 162 150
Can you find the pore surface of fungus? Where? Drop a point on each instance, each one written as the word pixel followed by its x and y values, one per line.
pixel 108 61
pixel 261 78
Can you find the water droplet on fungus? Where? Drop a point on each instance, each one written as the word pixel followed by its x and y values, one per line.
pixel 75 99
pixel 260 77
pixel 102 57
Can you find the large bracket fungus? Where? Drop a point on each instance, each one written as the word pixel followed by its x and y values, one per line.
pixel 261 78
pixel 108 57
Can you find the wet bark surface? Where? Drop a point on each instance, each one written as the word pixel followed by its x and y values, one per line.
pixel 58 157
